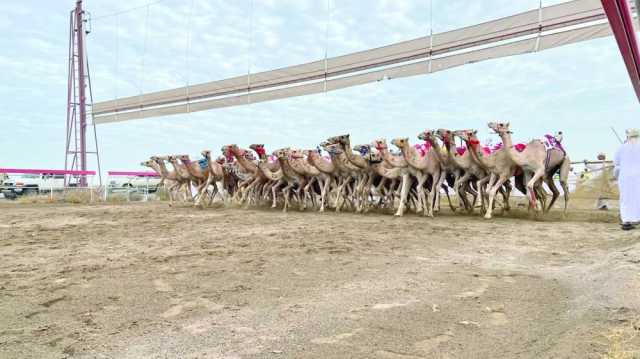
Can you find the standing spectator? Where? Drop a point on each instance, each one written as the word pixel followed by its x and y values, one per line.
pixel 627 171
pixel 603 185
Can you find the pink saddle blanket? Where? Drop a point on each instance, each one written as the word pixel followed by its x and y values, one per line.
pixel 422 148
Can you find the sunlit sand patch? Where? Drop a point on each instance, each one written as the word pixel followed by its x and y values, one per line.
pixel 336 339
pixel 173 311
pixel 385 306
pixel 162 286
pixel 431 344
pixel 474 293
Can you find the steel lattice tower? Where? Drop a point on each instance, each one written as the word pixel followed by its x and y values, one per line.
pixel 78 103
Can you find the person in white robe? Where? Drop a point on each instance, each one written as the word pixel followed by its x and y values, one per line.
pixel 627 171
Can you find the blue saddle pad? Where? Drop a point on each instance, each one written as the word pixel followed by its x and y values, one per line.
pixel 204 163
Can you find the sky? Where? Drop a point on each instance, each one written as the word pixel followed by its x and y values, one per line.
pixel 581 89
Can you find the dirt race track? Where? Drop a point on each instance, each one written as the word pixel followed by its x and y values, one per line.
pixel 149 281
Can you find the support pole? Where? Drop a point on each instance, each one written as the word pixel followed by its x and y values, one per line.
pixel 82 99
pixel 78 99
pixel 621 22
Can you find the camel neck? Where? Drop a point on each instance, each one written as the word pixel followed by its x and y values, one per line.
pixel 245 163
pixel 163 168
pixel 156 167
pixel 450 151
pixel 320 163
pixel 187 165
pixel 513 154
pixel 353 158
pixel 181 170
pixel 395 161
pixel 473 146
pixel 412 157
pixel 436 147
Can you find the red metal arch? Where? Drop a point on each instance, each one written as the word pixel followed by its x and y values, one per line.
pixel 620 18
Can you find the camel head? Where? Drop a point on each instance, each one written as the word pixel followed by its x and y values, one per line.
pixel 228 149
pixel 259 149
pixel 445 135
pixel 334 149
pixel 206 154
pixel 233 149
pixel 221 160
pixel 184 158
pixel 499 127
pixel 466 135
pixel 311 152
pixel 147 163
pixel 342 139
pixel 248 155
pixel 296 153
pixel 375 157
pixel 400 142
pixel 379 144
pixel 171 158
pixel 362 149
pixel 427 135
pixel 282 153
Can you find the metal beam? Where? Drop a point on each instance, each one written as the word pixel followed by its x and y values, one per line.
pixel 621 22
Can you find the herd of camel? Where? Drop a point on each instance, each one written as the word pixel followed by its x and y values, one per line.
pixel 370 175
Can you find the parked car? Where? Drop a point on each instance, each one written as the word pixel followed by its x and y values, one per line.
pixel 136 182
pixel 32 184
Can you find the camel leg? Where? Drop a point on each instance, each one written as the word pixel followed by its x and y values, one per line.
pixel 202 189
pixel 433 197
pixel 366 192
pixel 554 193
pixel 531 184
pixel 214 192
pixel 323 193
pixel 302 194
pixel 286 192
pixel 446 188
pixel 493 189
pixel 274 190
pixel 358 189
pixel 422 196
pixel 171 190
pixel 403 195
pixel 474 194
pixel 443 177
pixel 339 191
pixel 461 182
pixel 564 182
pixel 482 187
pixel 246 193
pixel 506 194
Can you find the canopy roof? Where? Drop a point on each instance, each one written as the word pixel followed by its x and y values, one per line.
pixel 530 31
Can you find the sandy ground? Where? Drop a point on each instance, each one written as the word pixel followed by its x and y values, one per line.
pixel 149 281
